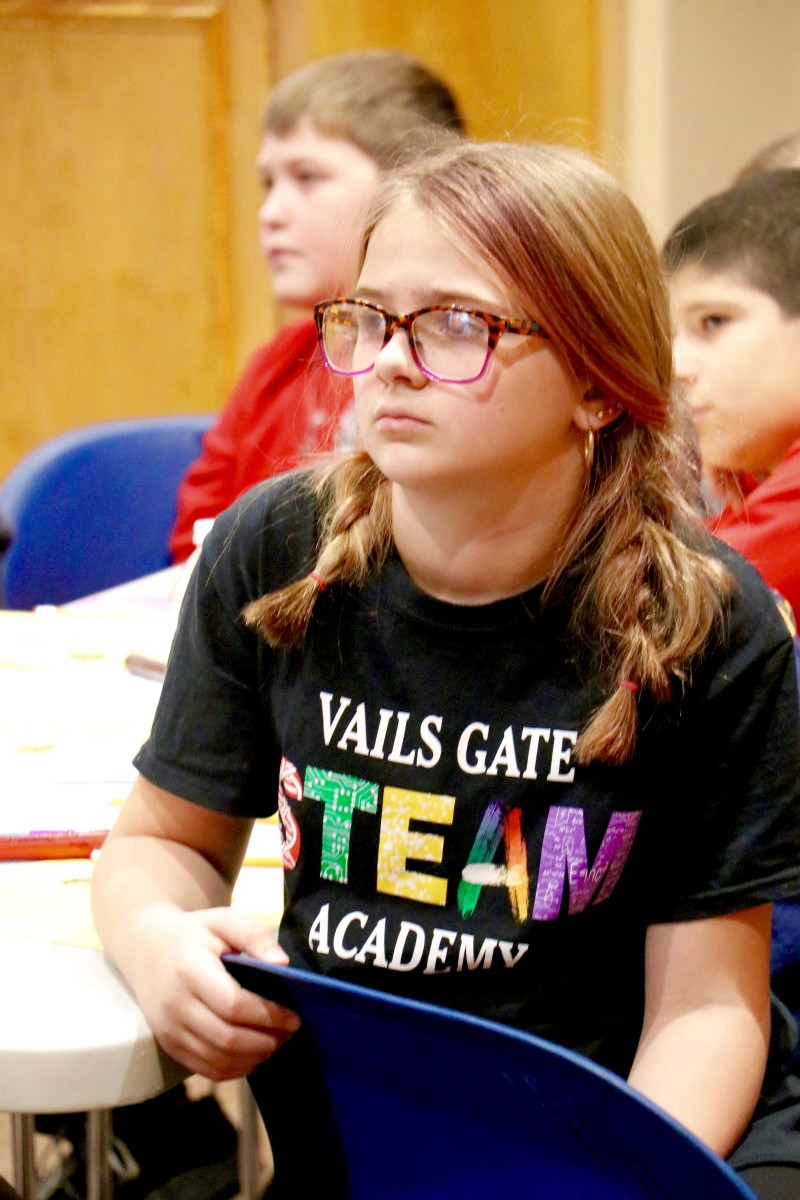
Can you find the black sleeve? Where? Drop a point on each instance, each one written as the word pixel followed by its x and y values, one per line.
pixel 734 828
pixel 212 739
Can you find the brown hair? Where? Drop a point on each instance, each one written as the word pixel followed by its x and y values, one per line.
pixel 388 104
pixel 575 255
pixel 752 230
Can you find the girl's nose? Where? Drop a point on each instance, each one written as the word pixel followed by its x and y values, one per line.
pixel 395 362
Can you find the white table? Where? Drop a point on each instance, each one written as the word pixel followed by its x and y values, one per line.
pixel 72 1039
pixel 72 1036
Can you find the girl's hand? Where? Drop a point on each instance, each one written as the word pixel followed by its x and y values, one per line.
pixel 160 891
pixel 198 1012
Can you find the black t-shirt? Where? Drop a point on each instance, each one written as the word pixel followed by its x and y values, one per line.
pixel 440 841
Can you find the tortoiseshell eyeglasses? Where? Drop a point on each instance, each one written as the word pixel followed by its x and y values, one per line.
pixel 448 343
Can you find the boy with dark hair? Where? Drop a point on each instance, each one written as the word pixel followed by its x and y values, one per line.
pixel 734 263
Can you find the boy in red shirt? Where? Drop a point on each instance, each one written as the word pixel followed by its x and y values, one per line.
pixel 734 263
pixel 330 130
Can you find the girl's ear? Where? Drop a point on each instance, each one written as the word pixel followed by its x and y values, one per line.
pixel 595 412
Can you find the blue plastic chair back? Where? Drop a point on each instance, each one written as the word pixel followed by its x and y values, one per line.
pixel 377 1096
pixel 94 507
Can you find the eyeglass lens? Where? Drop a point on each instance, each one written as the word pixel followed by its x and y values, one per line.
pixel 449 344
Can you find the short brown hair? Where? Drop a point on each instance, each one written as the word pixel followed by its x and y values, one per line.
pixel 383 101
pixel 753 230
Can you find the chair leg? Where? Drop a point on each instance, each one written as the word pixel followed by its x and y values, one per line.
pixel 99 1135
pixel 25 1181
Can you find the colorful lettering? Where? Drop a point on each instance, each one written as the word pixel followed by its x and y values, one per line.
pixel 290 786
pixel 517 859
pixel 398 843
pixel 341 795
pixel 484 848
pixel 564 856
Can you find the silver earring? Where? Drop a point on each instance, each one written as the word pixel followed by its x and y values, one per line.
pixel 588 449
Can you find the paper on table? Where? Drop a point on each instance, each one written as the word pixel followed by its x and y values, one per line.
pixel 152 596
pixel 71 718
pixel 50 637
pixel 62 806
pixel 49 901
pixel 75 772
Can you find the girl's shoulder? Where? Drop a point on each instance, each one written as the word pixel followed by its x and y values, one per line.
pixel 267 538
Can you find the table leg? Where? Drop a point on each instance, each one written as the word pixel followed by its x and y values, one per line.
pixel 250 1187
pixel 99 1133
pixel 25 1181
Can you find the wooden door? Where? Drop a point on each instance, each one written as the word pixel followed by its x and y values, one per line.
pixel 130 279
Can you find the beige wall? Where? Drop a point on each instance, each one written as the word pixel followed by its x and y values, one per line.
pixel 691 89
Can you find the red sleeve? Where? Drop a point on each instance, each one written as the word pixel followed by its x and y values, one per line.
pixel 283 406
pixel 766 528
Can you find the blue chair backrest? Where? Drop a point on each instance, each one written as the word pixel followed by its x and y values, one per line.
pixel 377 1096
pixel 94 507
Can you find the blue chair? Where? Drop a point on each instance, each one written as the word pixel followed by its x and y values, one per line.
pixel 785 968
pixel 93 507
pixel 377 1096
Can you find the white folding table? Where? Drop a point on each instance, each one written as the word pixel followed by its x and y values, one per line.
pixel 72 1036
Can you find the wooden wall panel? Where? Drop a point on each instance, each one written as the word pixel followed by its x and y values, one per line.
pixel 528 70
pixel 125 274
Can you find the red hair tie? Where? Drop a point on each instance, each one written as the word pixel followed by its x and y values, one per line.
pixel 319 580
pixel 629 684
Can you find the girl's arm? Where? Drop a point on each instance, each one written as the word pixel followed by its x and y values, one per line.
pixel 160 895
pixel 703 1048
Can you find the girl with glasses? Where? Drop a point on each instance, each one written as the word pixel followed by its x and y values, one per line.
pixel 531 733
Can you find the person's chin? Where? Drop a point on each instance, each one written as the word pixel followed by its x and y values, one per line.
pixel 293 290
pixel 296 298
